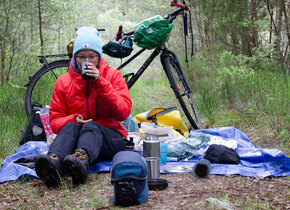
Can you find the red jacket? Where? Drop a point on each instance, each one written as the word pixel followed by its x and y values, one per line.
pixel 106 101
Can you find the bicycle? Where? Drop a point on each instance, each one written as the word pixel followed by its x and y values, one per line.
pixel 44 78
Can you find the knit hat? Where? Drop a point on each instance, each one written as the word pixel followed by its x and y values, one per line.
pixel 87 38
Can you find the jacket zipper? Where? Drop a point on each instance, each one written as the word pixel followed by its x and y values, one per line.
pixel 96 107
pixel 88 112
pixel 118 123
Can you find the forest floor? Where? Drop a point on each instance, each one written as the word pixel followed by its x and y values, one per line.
pixel 183 192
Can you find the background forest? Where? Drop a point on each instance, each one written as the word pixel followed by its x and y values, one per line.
pixel 239 73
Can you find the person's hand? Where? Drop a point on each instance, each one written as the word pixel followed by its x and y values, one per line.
pixel 92 71
pixel 80 120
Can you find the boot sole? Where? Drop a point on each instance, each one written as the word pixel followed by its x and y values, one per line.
pixel 47 173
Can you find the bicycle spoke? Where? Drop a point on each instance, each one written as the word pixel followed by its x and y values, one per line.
pixel 54 76
pixel 43 88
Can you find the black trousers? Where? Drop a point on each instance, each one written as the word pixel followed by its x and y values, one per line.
pixel 101 143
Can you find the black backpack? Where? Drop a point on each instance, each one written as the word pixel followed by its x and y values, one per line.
pixel 33 130
pixel 221 154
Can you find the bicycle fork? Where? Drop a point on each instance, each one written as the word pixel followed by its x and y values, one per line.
pixel 169 56
pixel 168 53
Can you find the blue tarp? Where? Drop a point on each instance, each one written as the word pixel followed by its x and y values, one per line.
pixel 255 161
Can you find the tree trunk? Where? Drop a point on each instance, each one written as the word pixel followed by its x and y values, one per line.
pixel 270 31
pixel 272 22
pixel 197 17
pixel 278 56
pixel 235 41
pixel 3 40
pixel 253 17
pixel 59 33
pixel 246 42
pixel 285 12
pixel 40 27
pixel 3 56
pixel 206 33
pixel 286 56
pixel 31 26
pixel 10 61
pixel 277 25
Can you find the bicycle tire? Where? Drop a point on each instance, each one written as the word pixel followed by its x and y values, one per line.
pixel 180 88
pixel 40 86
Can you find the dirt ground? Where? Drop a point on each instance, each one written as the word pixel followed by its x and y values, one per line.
pixel 188 192
pixel 183 192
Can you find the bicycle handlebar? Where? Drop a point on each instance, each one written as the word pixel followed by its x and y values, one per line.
pixel 129 33
pixel 170 16
pixel 99 29
pixel 174 3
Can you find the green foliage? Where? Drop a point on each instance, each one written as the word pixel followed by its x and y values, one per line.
pixel 243 27
pixel 207 103
pixel 254 89
pixel 226 14
pixel 12 117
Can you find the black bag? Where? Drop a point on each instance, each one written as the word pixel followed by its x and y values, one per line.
pixel 129 177
pixel 221 154
pixel 33 130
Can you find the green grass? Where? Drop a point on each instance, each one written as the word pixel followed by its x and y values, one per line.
pixel 12 117
pixel 152 94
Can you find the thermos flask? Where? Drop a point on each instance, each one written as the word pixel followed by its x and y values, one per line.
pixel 151 153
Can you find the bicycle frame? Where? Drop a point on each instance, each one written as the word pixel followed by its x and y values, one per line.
pixel 135 76
pixel 162 49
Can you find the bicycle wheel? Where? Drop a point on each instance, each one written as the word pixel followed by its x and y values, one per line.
pixel 40 86
pixel 181 89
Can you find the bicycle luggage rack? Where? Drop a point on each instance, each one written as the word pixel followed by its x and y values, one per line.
pixel 42 58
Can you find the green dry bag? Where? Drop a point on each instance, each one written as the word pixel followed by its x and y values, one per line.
pixel 152 32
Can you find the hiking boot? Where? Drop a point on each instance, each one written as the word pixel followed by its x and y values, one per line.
pixel 77 165
pixel 47 168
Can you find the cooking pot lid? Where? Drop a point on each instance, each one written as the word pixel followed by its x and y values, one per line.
pixel 157 184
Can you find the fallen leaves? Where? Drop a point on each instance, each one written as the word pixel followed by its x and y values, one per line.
pixel 184 191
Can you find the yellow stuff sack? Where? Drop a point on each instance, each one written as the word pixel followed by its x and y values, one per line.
pixel 164 117
pixel 70 47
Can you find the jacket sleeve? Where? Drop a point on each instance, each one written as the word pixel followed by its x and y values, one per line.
pixel 114 95
pixel 58 113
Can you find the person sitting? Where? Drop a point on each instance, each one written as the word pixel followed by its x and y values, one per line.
pixel 86 113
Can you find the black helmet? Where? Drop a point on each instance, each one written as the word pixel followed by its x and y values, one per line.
pixel 119 49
